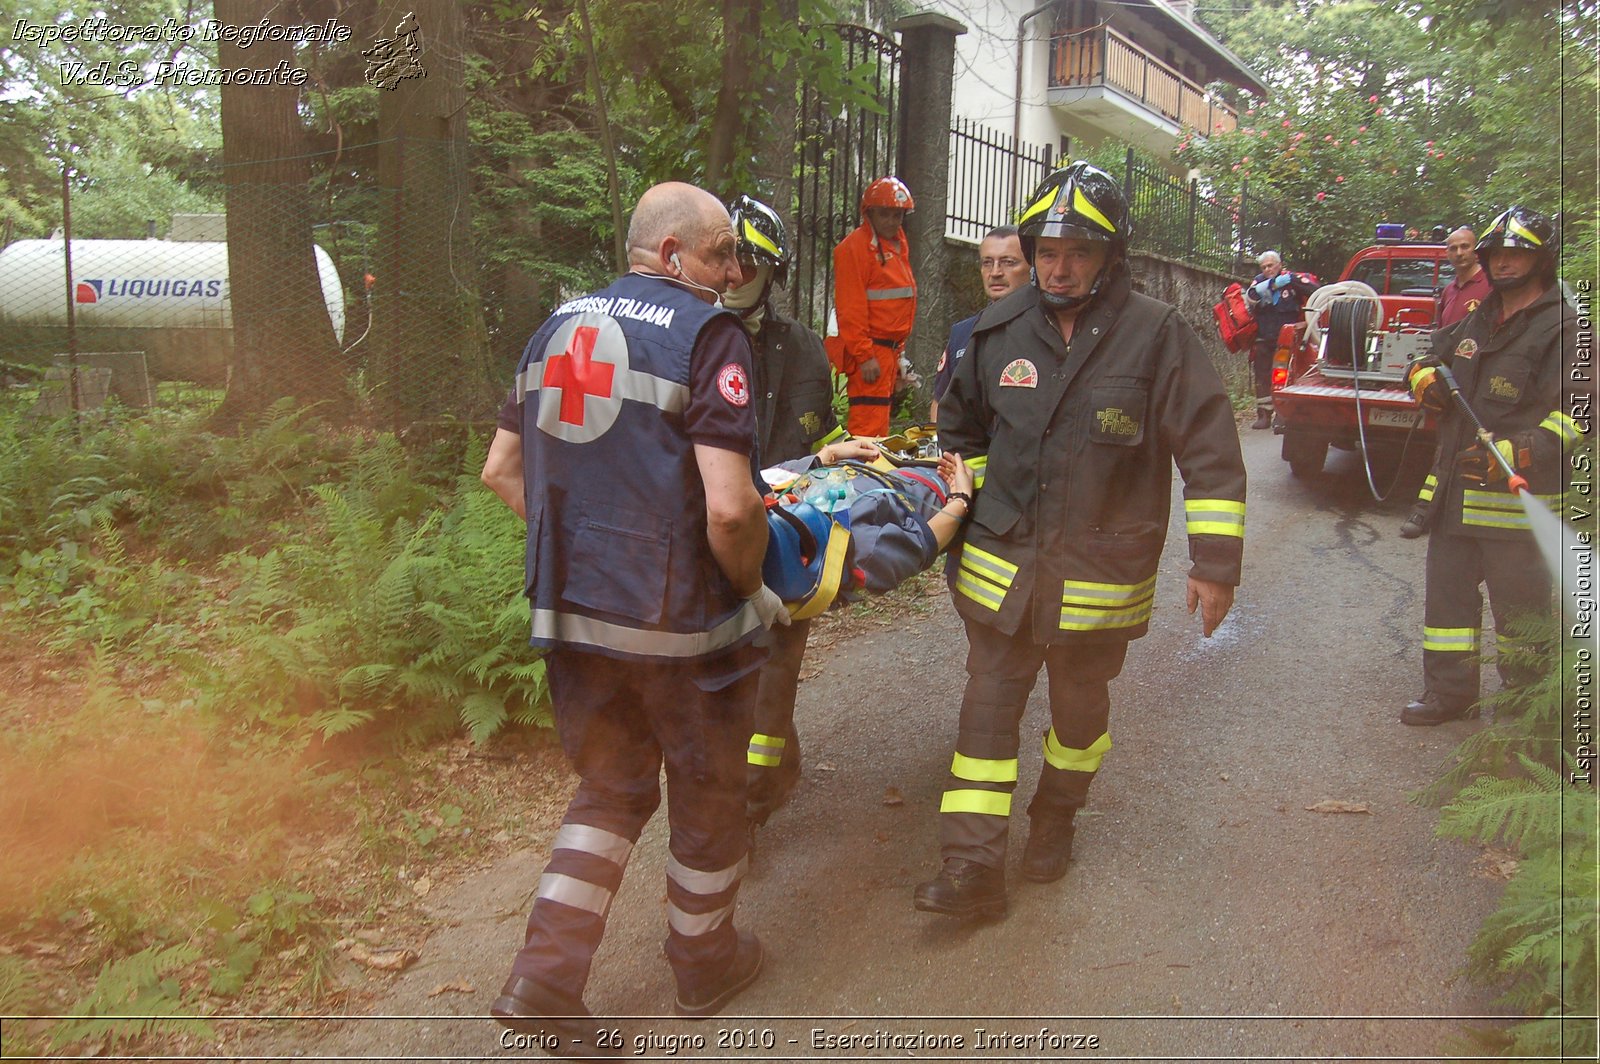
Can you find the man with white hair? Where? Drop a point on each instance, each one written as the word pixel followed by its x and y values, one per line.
pixel 1276 298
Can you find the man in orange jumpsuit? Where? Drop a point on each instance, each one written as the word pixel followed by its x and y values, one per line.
pixel 875 301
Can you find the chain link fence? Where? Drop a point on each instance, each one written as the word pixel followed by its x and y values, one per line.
pixel 399 285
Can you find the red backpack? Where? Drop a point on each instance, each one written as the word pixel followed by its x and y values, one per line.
pixel 1234 324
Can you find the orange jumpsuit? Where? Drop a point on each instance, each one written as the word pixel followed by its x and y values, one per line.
pixel 875 301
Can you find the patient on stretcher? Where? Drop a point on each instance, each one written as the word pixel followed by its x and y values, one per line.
pixel 849 519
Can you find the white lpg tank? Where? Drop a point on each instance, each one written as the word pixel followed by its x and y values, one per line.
pixel 132 284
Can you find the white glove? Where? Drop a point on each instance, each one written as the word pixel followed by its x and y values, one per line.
pixel 769 607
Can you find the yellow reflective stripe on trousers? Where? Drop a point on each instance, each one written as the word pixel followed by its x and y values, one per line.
pixel 983 770
pixel 1429 486
pixel 1564 427
pixel 1450 640
pixel 1088 606
pixel 1073 760
pixel 1214 517
pixel 1498 509
pixel 984 577
pixel 990 803
pixel 765 750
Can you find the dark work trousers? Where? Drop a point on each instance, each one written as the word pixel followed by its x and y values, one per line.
pixel 774 754
pixel 1262 349
pixel 618 721
pixel 1452 613
pixel 1001 672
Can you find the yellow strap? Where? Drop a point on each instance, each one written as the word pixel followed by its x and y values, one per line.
pixel 832 574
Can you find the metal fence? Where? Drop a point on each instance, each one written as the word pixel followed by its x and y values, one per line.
pixel 1182 221
pixel 989 173
pixel 842 149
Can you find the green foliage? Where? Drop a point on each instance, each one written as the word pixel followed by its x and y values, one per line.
pixel 1510 784
pixel 1418 113
pixel 134 997
pixel 350 584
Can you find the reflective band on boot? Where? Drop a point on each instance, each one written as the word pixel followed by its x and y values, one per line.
pixel 704 884
pixel 1065 757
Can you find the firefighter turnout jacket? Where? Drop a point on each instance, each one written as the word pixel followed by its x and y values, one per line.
pixel 626 572
pixel 794 394
pixel 1524 382
pixel 1076 445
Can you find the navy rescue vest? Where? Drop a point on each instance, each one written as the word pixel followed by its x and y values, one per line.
pixel 618 561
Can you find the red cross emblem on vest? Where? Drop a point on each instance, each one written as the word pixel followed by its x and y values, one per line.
pixel 576 375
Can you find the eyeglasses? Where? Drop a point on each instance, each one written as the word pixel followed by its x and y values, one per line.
pixel 1001 264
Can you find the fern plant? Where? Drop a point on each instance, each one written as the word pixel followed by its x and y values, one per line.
pixel 1511 784
pixel 414 625
pixel 132 998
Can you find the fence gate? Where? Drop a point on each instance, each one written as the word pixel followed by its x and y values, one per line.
pixel 842 148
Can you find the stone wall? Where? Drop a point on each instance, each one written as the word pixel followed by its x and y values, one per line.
pixel 1194 291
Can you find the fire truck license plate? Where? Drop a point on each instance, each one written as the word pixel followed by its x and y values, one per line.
pixel 1400 419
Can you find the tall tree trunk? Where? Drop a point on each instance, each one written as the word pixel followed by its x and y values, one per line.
pixel 741 28
pixel 283 339
pixel 429 338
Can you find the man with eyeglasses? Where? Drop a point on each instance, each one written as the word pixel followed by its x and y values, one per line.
pixel 1004 270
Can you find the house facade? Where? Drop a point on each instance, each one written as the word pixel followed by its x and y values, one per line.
pixel 1075 73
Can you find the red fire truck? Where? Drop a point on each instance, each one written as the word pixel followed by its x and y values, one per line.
pixel 1340 379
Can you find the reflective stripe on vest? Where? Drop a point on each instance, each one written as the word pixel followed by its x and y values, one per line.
pixel 989 803
pixel 983 577
pixel 1429 486
pixel 983 770
pixel 1214 517
pixel 1450 640
pixel 1073 760
pixel 979 466
pixel 627 383
pixel 765 750
pixel 1564 427
pixel 1498 509
pixel 573 628
pixel 1088 607
pixel 876 294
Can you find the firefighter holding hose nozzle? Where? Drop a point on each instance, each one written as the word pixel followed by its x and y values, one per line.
pixel 1504 434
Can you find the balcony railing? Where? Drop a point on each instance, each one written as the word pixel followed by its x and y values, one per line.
pixel 1104 57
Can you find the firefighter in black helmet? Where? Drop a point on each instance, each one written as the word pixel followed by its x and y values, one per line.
pixel 1515 360
pixel 794 418
pixel 1079 393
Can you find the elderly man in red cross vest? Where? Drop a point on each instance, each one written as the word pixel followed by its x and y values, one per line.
pixel 628 448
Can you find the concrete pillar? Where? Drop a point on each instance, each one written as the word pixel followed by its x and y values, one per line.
pixel 927 74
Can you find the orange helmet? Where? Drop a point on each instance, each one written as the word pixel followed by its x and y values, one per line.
pixel 888 192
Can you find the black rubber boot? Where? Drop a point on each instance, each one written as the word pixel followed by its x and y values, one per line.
pixel 1263 418
pixel 701 1002
pixel 963 888
pixel 1044 859
pixel 1428 711
pixel 557 1021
